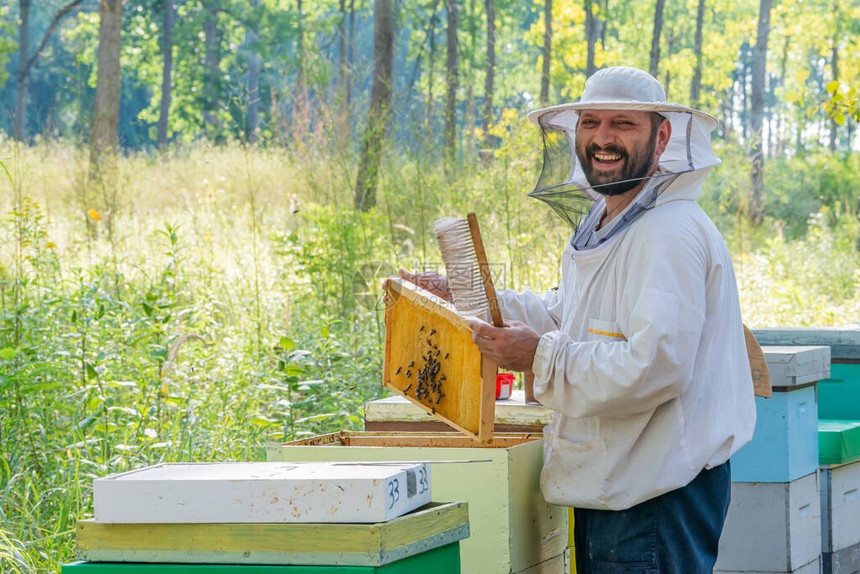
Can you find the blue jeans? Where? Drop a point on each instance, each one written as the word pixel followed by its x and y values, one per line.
pixel 675 533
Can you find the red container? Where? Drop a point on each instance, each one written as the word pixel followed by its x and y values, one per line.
pixel 504 385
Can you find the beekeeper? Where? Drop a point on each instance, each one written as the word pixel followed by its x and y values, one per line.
pixel 640 351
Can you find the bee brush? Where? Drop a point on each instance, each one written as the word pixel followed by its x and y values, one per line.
pixel 465 259
pixel 469 278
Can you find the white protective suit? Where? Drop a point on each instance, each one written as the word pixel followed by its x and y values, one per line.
pixel 642 354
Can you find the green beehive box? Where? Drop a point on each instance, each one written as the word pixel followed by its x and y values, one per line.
pixel 839 394
pixel 343 544
pixel 438 560
pixel 838 441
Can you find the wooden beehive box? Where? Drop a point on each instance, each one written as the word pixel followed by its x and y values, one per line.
pixel 431 360
pixel 435 525
pixel 772 527
pixel 398 414
pixel 513 529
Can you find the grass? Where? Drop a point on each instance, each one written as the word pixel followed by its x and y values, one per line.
pixel 210 307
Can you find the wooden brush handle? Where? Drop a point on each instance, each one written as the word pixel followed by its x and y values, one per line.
pixel 486 277
pixel 529 384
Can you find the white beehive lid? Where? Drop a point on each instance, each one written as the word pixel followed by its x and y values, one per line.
pixel 243 492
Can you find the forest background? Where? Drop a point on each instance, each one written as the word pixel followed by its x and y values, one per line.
pixel 200 197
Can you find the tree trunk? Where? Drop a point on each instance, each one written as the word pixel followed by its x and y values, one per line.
pixel 166 73
pixel 451 80
pixel 834 67
pixel 696 83
pixel 670 49
pixel 342 71
pixel 254 62
pixel 490 74
pixel 431 60
pixel 350 57
pixel 783 68
pixel 105 136
pixel 23 86
pixel 26 62
pixel 429 43
pixel 759 72
pixel 380 98
pixel 470 88
pixel 727 107
pixel 301 112
pixel 547 53
pixel 212 71
pixel 654 66
pixel 416 67
pixel 745 70
pixel 590 68
pixel 593 31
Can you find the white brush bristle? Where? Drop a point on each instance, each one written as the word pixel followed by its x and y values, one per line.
pixel 461 265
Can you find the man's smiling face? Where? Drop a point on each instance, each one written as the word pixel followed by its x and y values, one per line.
pixel 617 148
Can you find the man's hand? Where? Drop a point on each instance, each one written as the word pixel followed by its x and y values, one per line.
pixel 432 282
pixel 511 347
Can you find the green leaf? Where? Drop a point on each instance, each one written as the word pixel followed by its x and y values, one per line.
pixel 6 171
pixel 8 353
pixel 293 370
pixel 286 344
pixel 263 421
pixel 91 370
pixel 95 402
pixel 173 401
pixel 159 355
pixel 86 423
pixel 833 86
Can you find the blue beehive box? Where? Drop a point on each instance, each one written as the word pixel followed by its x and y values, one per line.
pixel 785 443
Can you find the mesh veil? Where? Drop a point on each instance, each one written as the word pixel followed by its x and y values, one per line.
pixel 554 186
pixel 562 183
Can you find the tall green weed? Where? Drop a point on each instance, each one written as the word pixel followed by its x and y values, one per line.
pixel 813 281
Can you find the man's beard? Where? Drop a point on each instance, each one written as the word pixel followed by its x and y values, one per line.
pixel 635 167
